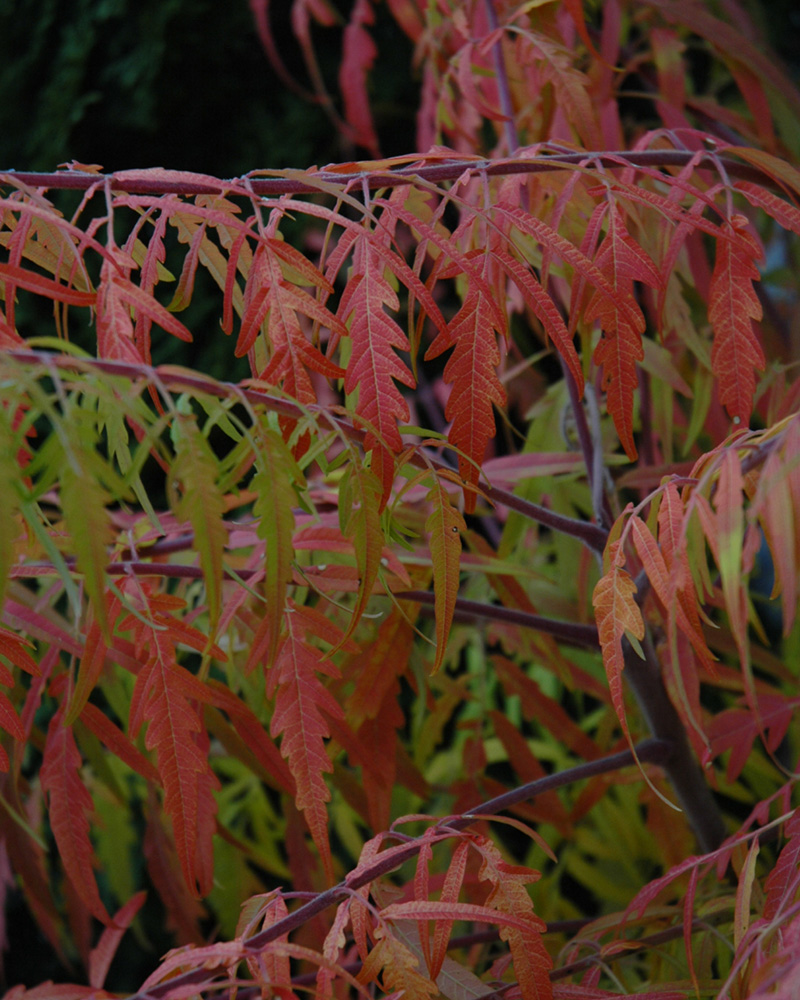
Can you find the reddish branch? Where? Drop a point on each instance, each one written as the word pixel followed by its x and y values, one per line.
pixel 184 183
pixel 574 634
pixel 650 751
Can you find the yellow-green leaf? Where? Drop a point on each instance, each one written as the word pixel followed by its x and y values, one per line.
pixel 445 525
pixel 201 504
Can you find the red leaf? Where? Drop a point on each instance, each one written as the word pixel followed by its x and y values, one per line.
pixel 472 370
pixel 783 881
pixel 69 806
pixel 270 294
pixel 163 696
pixel 9 338
pixel 117 742
pixel 622 261
pixel 114 324
pixel 547 711
pixel 93 660
pixel 736 730
pixel 37 283
pixel 451 888
pixel 137 298
pixel 545 310
pixel 374 367
pixel 103 953
pixel 298 717
pixel 786 214
pixel 425 909
pixel 13 649
pixel 733 305
pixel 358 57
pixel 184 912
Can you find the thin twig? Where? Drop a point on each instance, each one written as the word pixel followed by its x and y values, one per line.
pixel 590 534
pixel 501 79
pixel 184 183
pixel 573 633
pixel 684 772
pixel 650 751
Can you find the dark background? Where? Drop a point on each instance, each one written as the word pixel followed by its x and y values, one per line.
pixel 176 83
pixel 185 84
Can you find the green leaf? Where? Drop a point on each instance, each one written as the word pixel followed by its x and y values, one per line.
pixel 274 484
pixel 201 504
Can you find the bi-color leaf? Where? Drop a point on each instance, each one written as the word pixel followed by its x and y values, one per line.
pixel 616 613
pixel 445 525
pixel 274 486
pixel 509 894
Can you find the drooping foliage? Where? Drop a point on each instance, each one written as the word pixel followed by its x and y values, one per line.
pixel 452 652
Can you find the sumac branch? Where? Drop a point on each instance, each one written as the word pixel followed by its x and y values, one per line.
pixel 448 647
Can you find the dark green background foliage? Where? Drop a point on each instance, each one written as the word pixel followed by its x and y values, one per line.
pixel 173 83
pixel 183 84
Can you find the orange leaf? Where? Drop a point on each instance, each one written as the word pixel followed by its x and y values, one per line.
pixel 666 587
pixel 616 613
pixel 532 963
pixel 401 975
pixel 733 305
